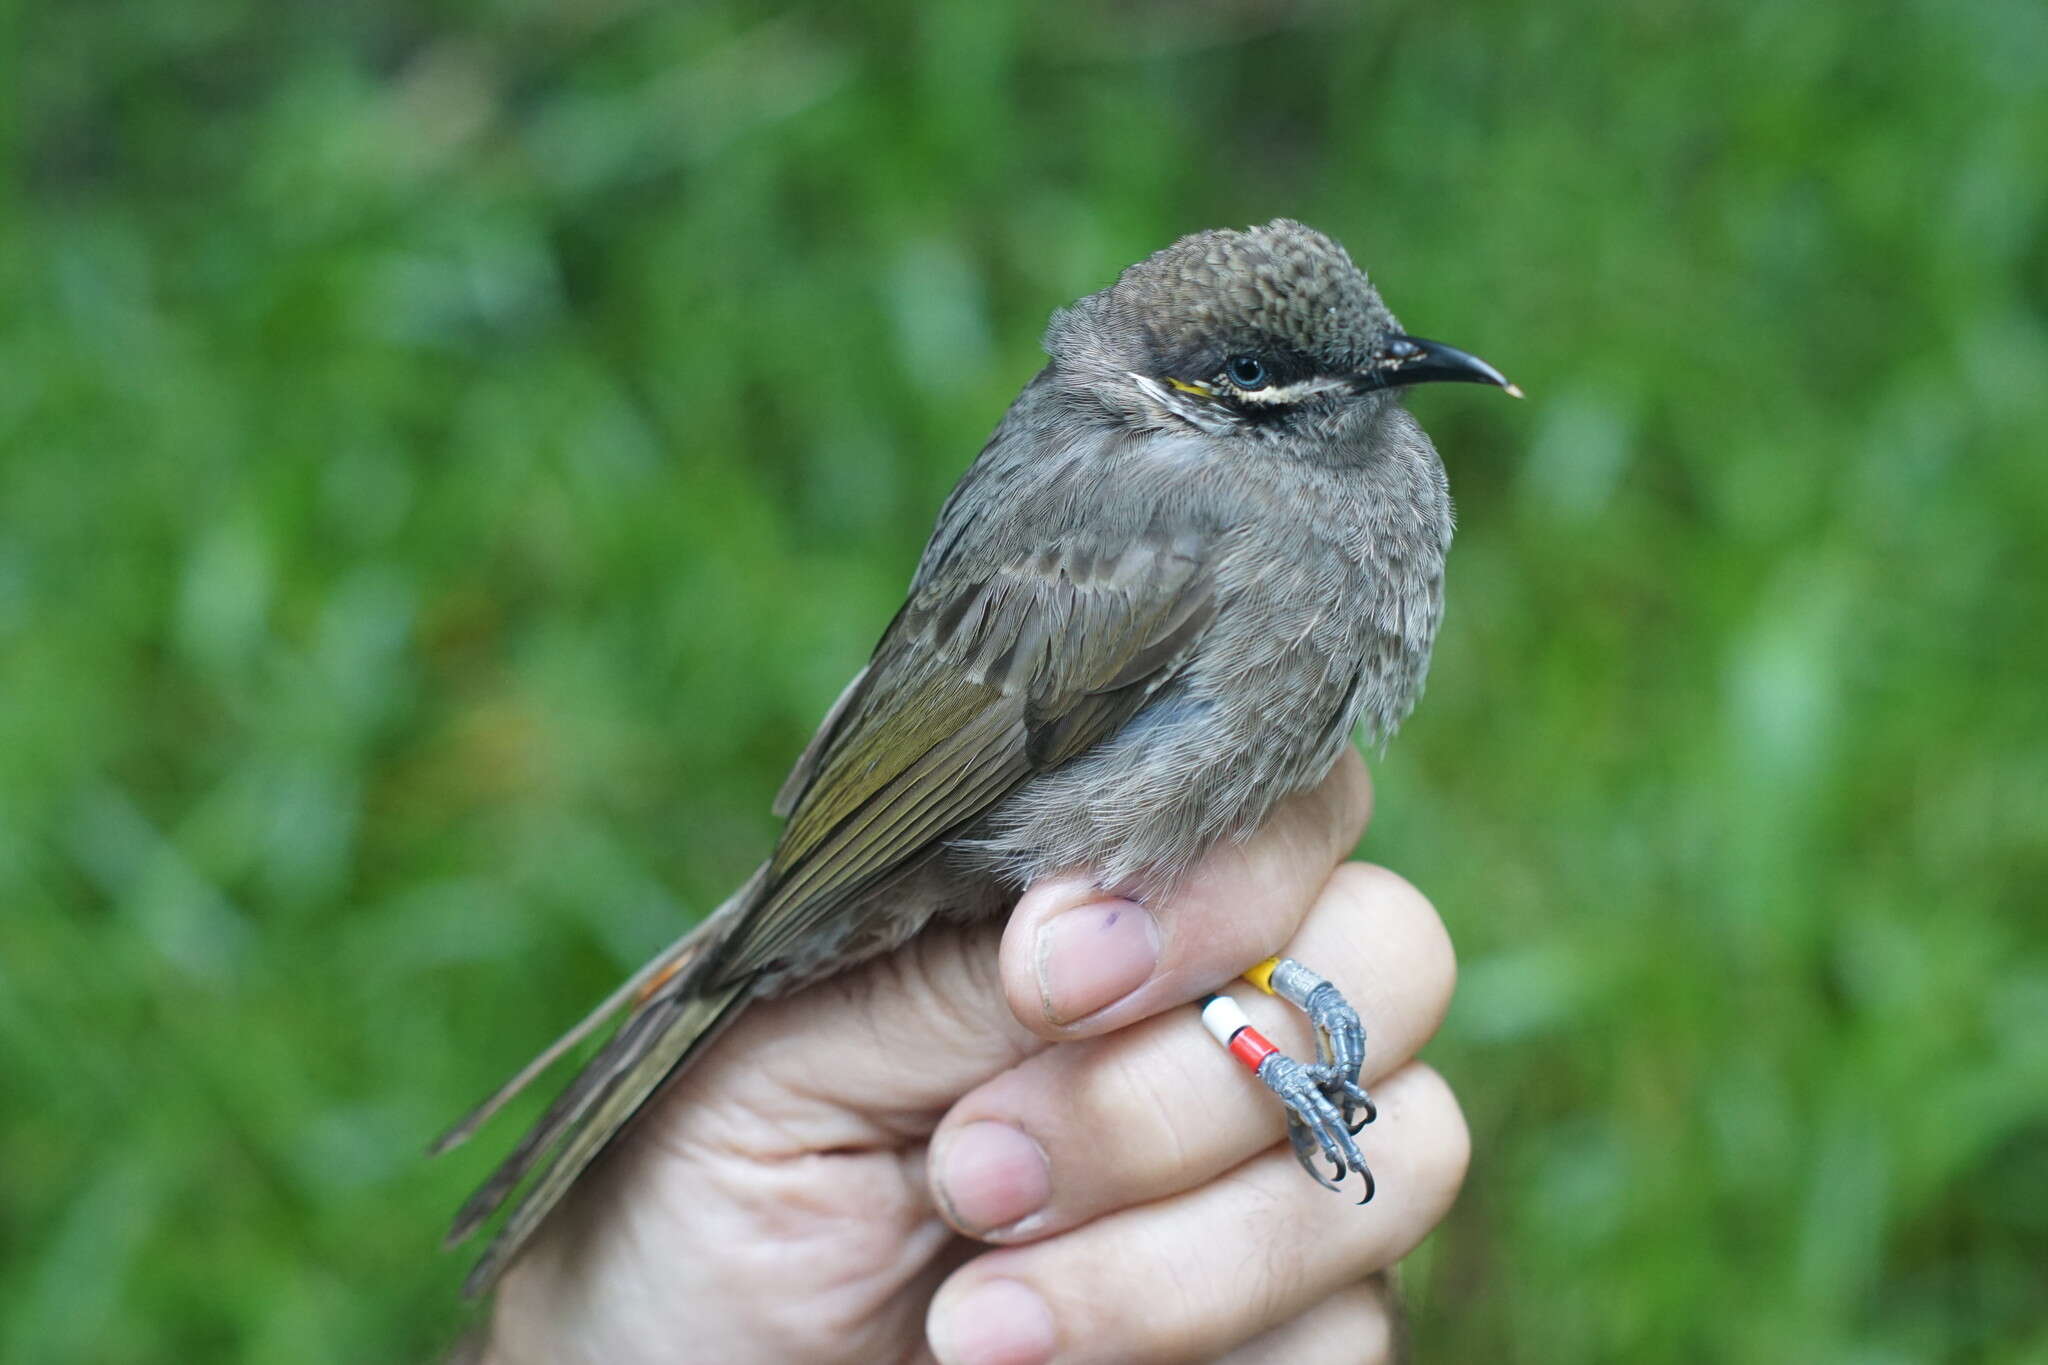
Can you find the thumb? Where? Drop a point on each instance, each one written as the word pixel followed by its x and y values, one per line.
pixel 861 1056
pixel 1080 961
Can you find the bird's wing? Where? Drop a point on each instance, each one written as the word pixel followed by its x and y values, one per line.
pixel 814 753
pixel 980 681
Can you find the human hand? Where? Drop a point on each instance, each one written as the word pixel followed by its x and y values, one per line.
pixel 827 1184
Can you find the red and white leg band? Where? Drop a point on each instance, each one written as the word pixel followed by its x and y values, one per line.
pixel 1225 1019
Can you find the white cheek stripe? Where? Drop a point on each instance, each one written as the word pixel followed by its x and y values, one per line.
pixel 1289 393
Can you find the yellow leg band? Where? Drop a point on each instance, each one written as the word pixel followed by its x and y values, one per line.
pixel 1262 975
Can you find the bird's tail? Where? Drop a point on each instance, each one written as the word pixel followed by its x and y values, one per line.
pixel 674 1015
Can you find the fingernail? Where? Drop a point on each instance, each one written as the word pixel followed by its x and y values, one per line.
pixel 997 1322
pixel 991 1175
pixel 1093 956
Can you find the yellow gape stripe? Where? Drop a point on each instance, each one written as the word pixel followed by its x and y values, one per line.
pixel 1262 975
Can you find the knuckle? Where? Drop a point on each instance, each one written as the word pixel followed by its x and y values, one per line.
pixel 1378 1315
pixel 1400 915
pixel 1442 1152
pixel 1126 1092
pixel 1322 824
pixel 1354 1324
pixel 1325 822
pixel 1372 889
pixel 1347 796
pixel 1358 1321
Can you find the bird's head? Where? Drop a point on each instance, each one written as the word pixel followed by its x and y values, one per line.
pixel 1260 330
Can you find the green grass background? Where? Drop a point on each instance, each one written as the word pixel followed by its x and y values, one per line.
pixel 449 458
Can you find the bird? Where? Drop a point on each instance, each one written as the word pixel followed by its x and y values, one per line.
pixel 1203 548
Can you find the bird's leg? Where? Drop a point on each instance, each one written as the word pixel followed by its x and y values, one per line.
pixel 1315 1124
pixel 1340 1034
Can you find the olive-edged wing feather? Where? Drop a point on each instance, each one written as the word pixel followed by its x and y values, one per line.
pixel 981 681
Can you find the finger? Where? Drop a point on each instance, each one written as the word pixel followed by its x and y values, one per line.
pixel 843 1060
pixel 1246 1252
pixel 1074 1132
pixel 866 1056
pixel 1078 961
pixel 1357 1325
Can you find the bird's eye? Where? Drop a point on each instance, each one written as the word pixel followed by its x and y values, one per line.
pixel 1246 371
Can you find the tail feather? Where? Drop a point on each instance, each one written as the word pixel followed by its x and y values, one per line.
pixel 659 968
pixel 674 1012
pixel 585 1118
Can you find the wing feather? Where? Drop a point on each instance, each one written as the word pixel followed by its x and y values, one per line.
pixel 979 683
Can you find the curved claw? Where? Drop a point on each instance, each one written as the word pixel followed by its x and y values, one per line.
pixel 1346 1093
pixel 1305 1153
pixel 1314 1125
pixel 1371 1185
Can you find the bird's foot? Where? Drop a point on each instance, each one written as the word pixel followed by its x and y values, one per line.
pixel 1315 1125
pixel 1340 1036
pixel 1321 1102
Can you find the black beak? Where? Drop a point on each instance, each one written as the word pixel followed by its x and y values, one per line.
pixel 1400 361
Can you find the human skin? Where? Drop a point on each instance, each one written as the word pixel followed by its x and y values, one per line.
pixel 897 1165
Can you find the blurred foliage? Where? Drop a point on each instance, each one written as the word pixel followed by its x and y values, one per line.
pixel 449 458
